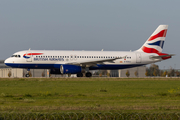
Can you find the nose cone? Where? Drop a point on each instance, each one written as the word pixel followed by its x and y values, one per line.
pixel 7 62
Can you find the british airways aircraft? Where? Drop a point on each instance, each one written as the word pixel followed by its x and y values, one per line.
pixel 79 62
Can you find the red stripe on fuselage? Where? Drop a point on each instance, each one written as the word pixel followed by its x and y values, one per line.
pixel 160 34
pixel 33 54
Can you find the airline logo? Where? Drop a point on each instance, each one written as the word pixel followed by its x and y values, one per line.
pixel 160 34
pixel 158 43
pixel 155 43
pixel 27 56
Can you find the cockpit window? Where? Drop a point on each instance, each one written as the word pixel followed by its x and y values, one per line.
pixel 16 56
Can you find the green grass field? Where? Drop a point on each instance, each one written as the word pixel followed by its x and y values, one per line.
pixel 90 94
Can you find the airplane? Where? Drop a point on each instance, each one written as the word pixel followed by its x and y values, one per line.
pixel 81 62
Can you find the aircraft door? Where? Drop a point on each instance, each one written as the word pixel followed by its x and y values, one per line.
pixel 138 57
pixel 28 57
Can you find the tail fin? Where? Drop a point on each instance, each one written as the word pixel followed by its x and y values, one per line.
pixel 155 42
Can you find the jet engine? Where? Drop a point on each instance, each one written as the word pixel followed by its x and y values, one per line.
pixel 70 69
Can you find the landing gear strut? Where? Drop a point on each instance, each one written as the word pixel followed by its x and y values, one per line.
pixel 88 74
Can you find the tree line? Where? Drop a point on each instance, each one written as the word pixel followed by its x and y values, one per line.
pixel 154 70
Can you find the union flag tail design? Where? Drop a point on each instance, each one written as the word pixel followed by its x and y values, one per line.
pixel 155 42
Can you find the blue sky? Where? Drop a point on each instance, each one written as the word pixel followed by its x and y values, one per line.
pixel 112 25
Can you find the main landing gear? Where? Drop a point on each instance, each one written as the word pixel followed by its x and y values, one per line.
pixel 88 74
pixel 80 75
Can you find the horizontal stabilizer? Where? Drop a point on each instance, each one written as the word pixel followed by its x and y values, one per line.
pixel 161 56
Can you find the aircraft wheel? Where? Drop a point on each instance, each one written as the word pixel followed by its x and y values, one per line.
pixel 88 74
pixel 79 75
pixel 27 75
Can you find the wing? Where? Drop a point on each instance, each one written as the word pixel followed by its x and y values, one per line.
pixel 93 63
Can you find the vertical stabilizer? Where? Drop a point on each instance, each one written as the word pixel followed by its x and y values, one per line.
pixel 155 42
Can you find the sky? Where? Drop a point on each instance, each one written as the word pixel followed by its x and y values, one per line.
pixel 112 25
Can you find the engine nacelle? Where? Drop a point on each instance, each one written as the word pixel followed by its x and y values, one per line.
pixel 70 69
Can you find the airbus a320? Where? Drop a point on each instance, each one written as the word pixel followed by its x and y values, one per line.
pixel 79 62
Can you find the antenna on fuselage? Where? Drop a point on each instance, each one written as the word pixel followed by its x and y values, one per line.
pixel 29 48
pixel 102 49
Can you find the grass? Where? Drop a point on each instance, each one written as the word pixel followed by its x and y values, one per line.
pixel 90 94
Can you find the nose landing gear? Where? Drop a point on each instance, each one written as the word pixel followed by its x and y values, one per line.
pixel 28 73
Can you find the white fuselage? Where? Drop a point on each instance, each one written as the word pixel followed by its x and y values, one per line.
pixel 50 59
pixel 78 62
